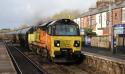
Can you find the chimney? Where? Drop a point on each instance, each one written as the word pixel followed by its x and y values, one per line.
pixel 103 3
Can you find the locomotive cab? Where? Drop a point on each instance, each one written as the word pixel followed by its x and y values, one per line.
pixel 65 41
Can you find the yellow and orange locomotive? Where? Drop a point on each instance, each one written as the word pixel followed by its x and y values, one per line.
pixel 58 40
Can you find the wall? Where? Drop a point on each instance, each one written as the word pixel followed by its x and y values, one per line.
pixel 106 31
pixel 119 0
pixel 93 22
pixel 100 42
pixel 103 65
pixel 116 16
pixel 84 22
pixel 77 21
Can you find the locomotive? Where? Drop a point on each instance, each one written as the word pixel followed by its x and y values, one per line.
pixel 58 41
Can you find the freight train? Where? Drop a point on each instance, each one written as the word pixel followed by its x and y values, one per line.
pixel 58 41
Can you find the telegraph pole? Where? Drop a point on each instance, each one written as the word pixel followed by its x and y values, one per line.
pixel 111 36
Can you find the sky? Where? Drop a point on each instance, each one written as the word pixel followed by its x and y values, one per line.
pixel 16 12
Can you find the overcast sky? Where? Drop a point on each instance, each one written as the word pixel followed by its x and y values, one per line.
pixel 16 12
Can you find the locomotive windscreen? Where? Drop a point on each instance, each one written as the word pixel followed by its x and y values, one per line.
pixel 66 30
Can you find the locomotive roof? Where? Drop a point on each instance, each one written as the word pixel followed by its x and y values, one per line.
pixel 45 24
pixel 57 21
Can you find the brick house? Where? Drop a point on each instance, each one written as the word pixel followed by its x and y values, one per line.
pixel 100 19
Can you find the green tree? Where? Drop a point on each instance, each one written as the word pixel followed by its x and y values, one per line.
pixel 89 32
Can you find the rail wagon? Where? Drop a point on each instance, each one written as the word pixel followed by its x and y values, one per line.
pixel 12 36
pixel 23 36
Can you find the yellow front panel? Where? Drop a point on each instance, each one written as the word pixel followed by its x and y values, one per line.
pixel 65 42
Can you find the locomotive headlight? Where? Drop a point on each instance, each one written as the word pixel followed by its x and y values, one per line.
pixel 56 43
pixel 76 43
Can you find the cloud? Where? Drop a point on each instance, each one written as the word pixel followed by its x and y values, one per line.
pixel 16 12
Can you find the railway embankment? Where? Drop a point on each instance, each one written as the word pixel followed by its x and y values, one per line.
pixel 101 64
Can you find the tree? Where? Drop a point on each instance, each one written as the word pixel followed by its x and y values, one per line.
pixel 69 14
pixel 23 26
pixel 5 30
pixel 88 32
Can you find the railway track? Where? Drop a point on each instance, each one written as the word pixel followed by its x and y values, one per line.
pixel 30 63
pixel 22 63
pixel 52 68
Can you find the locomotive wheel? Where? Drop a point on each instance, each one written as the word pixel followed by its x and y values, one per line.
pixel 44 53
pixel 30 47
pixel 34 49
pixel 38 51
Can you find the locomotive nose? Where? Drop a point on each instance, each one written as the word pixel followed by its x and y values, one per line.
pixel 65 44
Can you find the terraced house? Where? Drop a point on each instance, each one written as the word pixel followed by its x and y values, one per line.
pixel 107 19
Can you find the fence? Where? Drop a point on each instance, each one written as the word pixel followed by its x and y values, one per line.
pixel 100 42
pixel 1 36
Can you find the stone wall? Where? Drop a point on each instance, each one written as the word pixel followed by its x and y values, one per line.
pixel 104 65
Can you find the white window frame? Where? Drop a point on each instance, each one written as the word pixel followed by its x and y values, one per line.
pixel 123 14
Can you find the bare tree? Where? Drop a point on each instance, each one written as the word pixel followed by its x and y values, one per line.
pixel 69 14
pixel 23 26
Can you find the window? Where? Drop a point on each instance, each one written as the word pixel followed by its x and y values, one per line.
pixel 66 29
pixel 89 20
pixel 93 21
pixel 115 16
pixel 123 15
pixel 100 20
pixel 49 30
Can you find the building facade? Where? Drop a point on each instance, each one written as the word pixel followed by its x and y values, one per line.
pixel 102 20
pixel 77 20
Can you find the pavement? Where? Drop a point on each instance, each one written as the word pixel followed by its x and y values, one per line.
pixel 6 65
pixel 104 52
